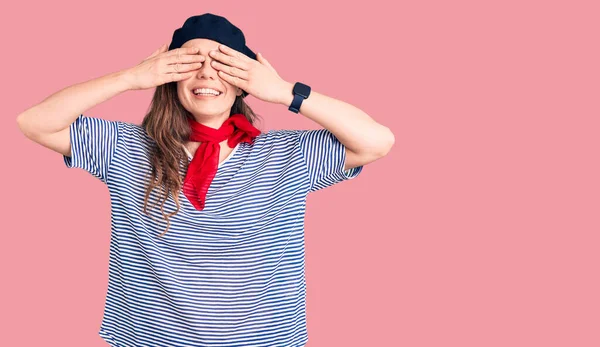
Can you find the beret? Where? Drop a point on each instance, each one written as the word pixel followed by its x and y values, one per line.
pixel 212 27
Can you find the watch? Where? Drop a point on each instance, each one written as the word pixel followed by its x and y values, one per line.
pixel 301 91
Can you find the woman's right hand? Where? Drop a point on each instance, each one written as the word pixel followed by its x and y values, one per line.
pixel 163 66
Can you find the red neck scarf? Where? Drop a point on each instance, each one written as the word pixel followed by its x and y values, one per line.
pixel 203 167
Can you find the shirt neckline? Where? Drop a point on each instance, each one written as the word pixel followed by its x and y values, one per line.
pixel 189 155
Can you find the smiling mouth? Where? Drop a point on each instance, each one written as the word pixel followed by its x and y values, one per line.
pixel 206 96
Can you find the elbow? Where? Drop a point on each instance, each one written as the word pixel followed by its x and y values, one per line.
pixel 24 128
pixel 20 124
pixel 389 143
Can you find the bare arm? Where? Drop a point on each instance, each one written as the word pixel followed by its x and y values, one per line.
pixel 47 123
pixel 365 139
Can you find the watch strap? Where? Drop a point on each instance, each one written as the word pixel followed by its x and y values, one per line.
pixel 301 91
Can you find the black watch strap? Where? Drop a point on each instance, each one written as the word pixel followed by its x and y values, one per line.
pixel 301 91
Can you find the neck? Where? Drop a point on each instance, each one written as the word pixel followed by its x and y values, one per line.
pixel 224 151
pixel 214 122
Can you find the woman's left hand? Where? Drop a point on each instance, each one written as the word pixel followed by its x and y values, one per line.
pixel 256 77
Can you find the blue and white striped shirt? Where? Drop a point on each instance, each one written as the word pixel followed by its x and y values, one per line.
pixel 229 275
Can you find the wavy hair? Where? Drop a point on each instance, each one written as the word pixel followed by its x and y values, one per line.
pixel 166 123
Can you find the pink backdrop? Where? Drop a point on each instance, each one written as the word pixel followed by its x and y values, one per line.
pixel 480 228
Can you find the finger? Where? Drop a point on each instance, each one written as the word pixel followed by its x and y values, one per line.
pixel 236 59
pixel 238 82
pixel 184 58
pixel 232 52
pixel 183 51
pixel 262 60
pixel 174 77
pixel 156 52
pixel 160 49
pixel 181 68
pixel 265 62
pixel 230 70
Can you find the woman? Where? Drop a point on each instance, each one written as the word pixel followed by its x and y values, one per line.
pixel 207 232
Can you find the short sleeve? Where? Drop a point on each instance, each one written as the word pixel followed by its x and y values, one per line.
pixel 93 145
pixel 324 156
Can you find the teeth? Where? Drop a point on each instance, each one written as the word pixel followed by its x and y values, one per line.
pixel 206 91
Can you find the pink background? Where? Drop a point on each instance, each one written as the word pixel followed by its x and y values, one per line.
pixel 480 228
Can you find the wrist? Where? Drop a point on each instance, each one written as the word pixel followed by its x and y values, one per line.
pixel 123 78
pixel 287 95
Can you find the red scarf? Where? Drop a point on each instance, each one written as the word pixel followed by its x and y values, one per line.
pixel 203 167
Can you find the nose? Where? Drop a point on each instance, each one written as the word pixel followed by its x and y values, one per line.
pixel 206 69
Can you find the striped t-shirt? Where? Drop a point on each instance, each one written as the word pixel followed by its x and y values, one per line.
pixel 229 275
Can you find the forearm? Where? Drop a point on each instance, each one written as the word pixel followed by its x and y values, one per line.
pixel 60 109
pixel 353 127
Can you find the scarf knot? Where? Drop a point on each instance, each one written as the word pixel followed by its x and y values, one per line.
pixel 203 167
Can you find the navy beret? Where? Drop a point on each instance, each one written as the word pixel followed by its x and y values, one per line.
pixel 212 27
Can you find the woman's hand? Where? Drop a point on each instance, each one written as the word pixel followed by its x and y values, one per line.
pixel 164 66
pixel 256 77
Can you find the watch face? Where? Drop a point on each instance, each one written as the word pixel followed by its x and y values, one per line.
pixel 302 89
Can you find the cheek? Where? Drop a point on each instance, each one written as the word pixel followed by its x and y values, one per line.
pixel 230 90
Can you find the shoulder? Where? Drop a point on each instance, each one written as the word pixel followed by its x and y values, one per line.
pixel 274 144
pixel 133 133
pixel 278 137
pixel 291 138
pixel 133 129
pixel 281 133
